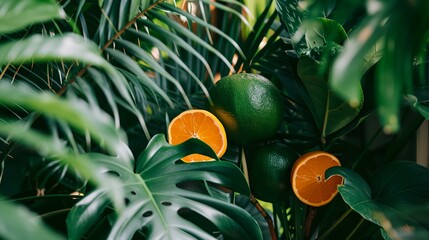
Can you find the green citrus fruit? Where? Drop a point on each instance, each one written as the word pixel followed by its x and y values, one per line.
pixel 269 169
pixel 249 107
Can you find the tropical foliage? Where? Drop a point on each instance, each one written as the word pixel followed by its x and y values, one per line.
pixel 87 89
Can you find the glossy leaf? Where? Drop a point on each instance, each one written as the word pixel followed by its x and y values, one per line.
pixel 330 112
pixel 28 12
pixel 391 199
pixel 17 222
pixel 157 202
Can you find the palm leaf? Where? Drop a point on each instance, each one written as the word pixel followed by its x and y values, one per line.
pixel 28 12
pixel 11 224
pixel 74 113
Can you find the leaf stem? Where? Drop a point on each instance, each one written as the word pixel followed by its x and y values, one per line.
pixel 253 199
pixel 366 148
pixel 339 220
pixel 244 166
pixel 355 229
pixel 325 120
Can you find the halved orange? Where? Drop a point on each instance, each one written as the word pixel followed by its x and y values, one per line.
pixel 308 178
pixel 199 124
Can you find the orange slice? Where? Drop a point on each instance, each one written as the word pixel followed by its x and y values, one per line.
pixel 308 178
pixel 199 124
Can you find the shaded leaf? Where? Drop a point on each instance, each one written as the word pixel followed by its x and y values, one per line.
pixel 50 148
pixel 392 198
pixel 28 12
pixel 330 112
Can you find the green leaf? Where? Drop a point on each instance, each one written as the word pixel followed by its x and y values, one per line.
pixel 159 201
pixel 17 222
pixel 40 48
pixel 349 67
pixel 320 31
pixel 85 215
pixel 74 112
pixel 49 147
pixel 292 15
pixel 392 199
pixel 15 15
pixel 68 47
pixel 330 112
pixel 133 67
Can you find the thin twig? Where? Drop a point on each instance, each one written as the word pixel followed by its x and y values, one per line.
pixel 311 215
pixel 265 215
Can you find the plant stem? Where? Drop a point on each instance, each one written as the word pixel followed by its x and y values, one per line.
pixel 53 213
pixel 244 166
pixel 355 229
pixel 253 199
pixel 367 146
pixel 311 215
pixel 325 121
pixel 265 215
pixel 339 220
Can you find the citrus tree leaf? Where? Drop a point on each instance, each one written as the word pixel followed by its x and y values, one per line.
pixel 17 222
pixel 330 112
pixel 159 201
pixel 392 198
pixel 320 31
pixel 28 12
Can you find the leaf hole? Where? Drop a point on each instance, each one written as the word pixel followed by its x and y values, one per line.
pixel 127 201
pixel 133 193
pixel 147 214
pixel 166 203
pixel 113 173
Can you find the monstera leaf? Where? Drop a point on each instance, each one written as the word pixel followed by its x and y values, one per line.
pixel 397 198
pixel 162 201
